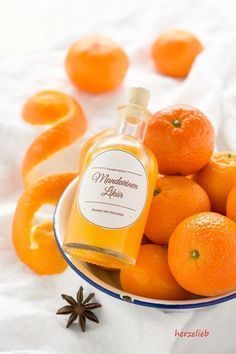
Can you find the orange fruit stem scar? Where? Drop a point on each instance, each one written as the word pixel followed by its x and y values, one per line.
pixel 195 254
pixel 68 124
pixel 36 245
pixel 176 123
pixel 156 191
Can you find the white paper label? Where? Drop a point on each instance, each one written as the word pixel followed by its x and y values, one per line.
pixel 113 190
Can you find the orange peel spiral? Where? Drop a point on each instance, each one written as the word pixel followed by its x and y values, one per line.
pixel 68 124
pixel 35 244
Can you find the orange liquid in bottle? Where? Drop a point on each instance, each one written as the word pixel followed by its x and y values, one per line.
pixel 114 193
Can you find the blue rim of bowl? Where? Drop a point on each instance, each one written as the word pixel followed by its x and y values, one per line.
pixel 132 299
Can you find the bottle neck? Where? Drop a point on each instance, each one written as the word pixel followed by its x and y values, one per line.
pixel 132 121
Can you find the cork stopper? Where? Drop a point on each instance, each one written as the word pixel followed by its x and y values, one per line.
pixel 139 96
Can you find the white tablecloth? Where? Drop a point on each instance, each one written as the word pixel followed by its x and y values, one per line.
pixel 28 303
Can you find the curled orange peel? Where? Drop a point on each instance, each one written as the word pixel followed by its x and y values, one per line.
pixel 36 245
pixel 67 120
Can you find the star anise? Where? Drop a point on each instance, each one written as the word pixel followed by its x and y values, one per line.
pixel 81 309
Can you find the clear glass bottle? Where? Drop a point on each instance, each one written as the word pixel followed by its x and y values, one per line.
pixel 114 193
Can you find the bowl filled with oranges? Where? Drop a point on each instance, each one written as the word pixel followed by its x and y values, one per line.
pixel 187 259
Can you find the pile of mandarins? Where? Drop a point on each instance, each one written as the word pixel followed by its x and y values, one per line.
pixel 190 245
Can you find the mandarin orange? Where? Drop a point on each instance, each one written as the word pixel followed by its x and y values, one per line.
pixel 96 64
pixel 218 177
pixel 151 277
pixel 202 254
pixel 175 198
pixel 182 139
pixel 174 52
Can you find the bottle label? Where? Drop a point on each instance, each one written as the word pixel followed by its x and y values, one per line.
pixel 113 190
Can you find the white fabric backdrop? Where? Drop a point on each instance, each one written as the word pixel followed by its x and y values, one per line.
pixel 28 303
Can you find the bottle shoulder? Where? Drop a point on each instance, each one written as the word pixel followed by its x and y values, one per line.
pixel 118 142
pixel 125 144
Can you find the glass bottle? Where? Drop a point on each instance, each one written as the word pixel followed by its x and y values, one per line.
pixel 114 192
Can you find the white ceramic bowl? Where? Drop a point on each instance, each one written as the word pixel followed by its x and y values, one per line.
pixel 108 281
